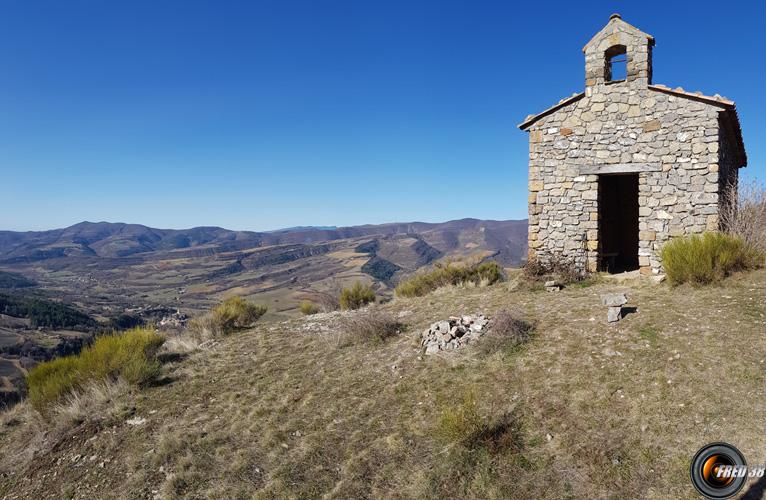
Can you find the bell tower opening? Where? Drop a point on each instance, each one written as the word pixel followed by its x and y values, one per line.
pixel 616 63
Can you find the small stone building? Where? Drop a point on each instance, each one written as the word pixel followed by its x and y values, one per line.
pixel 617 170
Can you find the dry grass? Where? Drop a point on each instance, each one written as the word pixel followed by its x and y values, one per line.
pixel 450 273
pixel 584 410
pixel 369 325
pixel 358 295
pixel 744 213
pixel 557 267
pixel 507 330
pixel 231 315
pixel 308 308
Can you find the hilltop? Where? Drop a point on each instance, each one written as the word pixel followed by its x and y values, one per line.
pixel 291 408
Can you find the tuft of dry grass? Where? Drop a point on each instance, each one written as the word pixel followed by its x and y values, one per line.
pixel 555 267
pixel 451 273
pixel 233 314
pixel 308 308
pixel 507 330
pixel 358 295
pixel 743 213
pixel 370 325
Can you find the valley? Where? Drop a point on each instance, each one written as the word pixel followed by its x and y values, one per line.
pixel 117 275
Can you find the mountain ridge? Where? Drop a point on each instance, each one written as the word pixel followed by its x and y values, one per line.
pixel 119 239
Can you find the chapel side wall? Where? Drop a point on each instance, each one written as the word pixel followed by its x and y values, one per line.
pixel 728 175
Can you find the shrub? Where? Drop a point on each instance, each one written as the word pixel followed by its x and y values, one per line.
pixel 707 258
pixel 357 296
pixel 506 330
pixel 370 326
pixel 130 356
pixel 308 308
pixel 488 273
pixel 234 313
pixel 743 213
pixel 557 267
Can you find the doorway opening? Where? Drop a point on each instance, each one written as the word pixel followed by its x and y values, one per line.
pixel 618 222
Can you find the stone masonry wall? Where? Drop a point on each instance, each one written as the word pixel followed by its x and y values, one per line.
pixel 672 141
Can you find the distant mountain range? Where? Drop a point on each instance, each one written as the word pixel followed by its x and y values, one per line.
pixel 507 239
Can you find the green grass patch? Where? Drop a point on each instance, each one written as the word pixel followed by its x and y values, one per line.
pixel 130 356
pixel 649 333
pixel 451 273
pixel 707 258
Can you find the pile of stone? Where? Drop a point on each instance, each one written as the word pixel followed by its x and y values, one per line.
pixel 453 333
pixel 614 303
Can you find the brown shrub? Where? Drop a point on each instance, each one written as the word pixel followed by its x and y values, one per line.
pixel 507 330
pixel 370 326
pixel 743 213
pixel 329 299
pixel 556 267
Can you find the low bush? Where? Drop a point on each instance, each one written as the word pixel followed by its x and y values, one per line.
pixel 743 213
pixel 370 326
pixel 707 258
pixel 555 267
pixel 308 308
pixel 234 313
pixel 359 295
pixel 507 330
pixel 130 356
pixel 483 273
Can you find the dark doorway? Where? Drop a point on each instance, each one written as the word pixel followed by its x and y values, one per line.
pixel 618 222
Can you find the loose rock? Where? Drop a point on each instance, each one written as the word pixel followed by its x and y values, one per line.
pixel 453 333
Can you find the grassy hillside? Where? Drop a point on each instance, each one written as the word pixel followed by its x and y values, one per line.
pixel 295 409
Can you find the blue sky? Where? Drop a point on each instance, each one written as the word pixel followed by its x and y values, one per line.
pixel 265 114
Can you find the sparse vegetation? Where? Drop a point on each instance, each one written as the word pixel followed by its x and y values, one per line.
pixel 233 314
pixel 707 258
pixel 130 356
pixel 450 273
pixel 557 267
pixel 370 326
pixel 358 295
pixel 584 410
pixel 743 213
pixel 308 308
pixel 464 426
pixel 507 330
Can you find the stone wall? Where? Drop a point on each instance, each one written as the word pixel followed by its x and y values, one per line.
pixel 672 141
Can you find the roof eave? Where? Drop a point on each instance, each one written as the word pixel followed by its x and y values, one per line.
pixel 562 103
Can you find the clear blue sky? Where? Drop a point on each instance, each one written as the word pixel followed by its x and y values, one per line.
pixel 265 114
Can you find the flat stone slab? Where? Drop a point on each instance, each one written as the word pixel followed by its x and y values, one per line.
pixel 614 314
pixel 614 299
